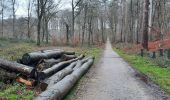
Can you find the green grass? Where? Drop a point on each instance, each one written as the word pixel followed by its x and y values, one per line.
pixel 14 51
pixel 17 91
pixel 159 75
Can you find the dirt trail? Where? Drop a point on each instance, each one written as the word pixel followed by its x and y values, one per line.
pixel 114 79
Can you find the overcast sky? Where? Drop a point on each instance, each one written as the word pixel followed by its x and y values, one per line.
pixel 22 7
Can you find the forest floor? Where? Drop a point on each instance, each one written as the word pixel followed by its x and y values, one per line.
pixel 13 50
pixel 113 79
pixel 110 78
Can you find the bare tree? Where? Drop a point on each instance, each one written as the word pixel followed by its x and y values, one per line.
pixel 145 24
pixel 40 11
pixel 74 5
pixel 29 15
pixel 14 17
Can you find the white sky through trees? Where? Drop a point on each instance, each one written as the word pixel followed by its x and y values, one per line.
pixel 22 7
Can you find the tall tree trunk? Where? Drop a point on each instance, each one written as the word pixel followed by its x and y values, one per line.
pixel 2 4
pixel 84 23
pixel 28 22
pixel 67 33
pixel 39 22
pixel 46 30
pixel 73 20
pixel 145 24
pixel 13 23
pixel 102 28
pixel 43 28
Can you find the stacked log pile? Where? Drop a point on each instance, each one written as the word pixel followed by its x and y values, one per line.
pixel 60 89
pixel 59 69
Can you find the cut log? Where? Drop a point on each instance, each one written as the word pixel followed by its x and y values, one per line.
pixel 47 63
pixel 7 75
pixel 50 71
pixel 30 58
pixel 69 53
pixel 66 57
pixel 24 81
pixel 60 75
pixel 81 62
pixel 59 90
pixel 65 52
pixel 51 50
pixel 17 68
pixel 50 62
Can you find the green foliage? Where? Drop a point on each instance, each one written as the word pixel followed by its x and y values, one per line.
pixel 17 91
pixel 157 74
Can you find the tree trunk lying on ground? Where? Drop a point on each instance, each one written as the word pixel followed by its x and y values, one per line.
pixel 47 63
pixel 7 75
pixel 51 50
pixel 65 52
pixel 69 53
pixel 50 71
pixel 59 90
pixel 80 62
pixel 17 68
pixel 67 57
pixel 60 75
pixel 66 71
pixel 33 57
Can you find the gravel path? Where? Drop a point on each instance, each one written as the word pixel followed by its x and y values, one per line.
pixel 114 79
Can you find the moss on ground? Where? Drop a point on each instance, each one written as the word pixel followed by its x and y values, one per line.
pixel 159 75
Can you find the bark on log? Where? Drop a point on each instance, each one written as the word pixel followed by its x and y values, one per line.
pixel 59 90
pixel 69 53
pixel 67 57
pixel 50 62
pixel 30 58
pixel 81 62
pixel 60 75
pixel 17 68
pixel 50 71
pixel 47 63
pixel 51 50
pixel 4 74
pixel 65 52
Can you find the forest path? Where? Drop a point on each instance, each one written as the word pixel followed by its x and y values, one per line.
pixel 113 79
